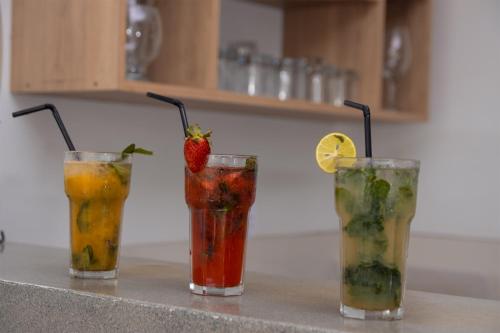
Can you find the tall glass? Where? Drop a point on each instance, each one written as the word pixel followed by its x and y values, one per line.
pixel 144 37
pixel 375 200
pixel 316 81
pixel 97 185
pixel 219 200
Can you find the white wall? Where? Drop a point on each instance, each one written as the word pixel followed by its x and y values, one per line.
pixel 459 187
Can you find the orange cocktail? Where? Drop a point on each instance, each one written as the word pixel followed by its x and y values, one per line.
pixel 97 185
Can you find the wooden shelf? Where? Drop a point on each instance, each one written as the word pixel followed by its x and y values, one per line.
pixel 285 3
pixel 217 100
pixel 80 52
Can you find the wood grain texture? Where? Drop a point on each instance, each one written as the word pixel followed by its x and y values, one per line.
pixel 287 3
pixel 77 48
pixel 60 45
pixel 189 52
pixel 413 87
pixel 216 100
pixel 347 34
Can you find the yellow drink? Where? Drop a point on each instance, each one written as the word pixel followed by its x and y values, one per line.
pixel 375 201
pixel 97 185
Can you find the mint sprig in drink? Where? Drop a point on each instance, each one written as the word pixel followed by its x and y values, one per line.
pixel 375 200
pixel 219 192
pixel 97 185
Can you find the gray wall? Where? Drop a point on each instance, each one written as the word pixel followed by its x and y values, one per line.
pixel 459 148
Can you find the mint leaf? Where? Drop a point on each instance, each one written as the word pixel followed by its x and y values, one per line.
pixel 132 149
pixel 379 190
pixel 83 219
pixel 89 251
pixel 209 251
pixel 223 187
pixel 251 163
pixel 353 176
pixel 122 172
pixel 142 151
pixel 405 192
pixel 84 259
pixel 369 174
pixel 374 281
pixel 404 204
pixel 129 149
pixel 345 199
pixel 364 226
pixel 369 225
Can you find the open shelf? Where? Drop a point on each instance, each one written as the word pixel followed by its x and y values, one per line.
pixel 80 52
pixel 285 3
pixel 208 99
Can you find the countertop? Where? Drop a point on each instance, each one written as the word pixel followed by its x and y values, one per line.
pixel 440 264
pixel 37 295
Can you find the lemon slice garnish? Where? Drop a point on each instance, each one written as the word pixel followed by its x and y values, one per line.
pixel 332 146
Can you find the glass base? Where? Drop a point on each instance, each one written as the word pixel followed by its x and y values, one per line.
pixel 394 314
pixel 213 291
pixel 137 76
pixel 100 275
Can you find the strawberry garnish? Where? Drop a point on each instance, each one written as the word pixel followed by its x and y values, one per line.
pixel 196 148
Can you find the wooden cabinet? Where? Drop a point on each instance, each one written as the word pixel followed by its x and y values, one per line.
pixel 77 48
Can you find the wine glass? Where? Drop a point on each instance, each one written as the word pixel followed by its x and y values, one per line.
pixel 396 64
pixel 144 35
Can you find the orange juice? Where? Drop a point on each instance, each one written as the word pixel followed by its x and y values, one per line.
pixel 97 189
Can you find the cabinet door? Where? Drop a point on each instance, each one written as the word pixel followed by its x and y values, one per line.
pixel 67 45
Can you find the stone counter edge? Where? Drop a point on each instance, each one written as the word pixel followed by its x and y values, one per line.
pixel 28 307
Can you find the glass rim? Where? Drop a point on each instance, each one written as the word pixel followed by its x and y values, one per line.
pixel 404 163
pixel 229 160
pixel 96 156
pixel 231 155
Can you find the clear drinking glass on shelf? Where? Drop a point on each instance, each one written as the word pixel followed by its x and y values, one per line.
pixel 97 185
pixel 286 78
pixel 238 55
pixel 219 199
pixel 335 85
pixel 233 70
pixel 398 57
pixel 239 80
pixel 258 75
pixel 243 48
pixel 144 36
pixel 375 200
pixel 271 76
pixel 352 84
pixel 316 81
pixel 299 83
pixel 340 85
pixel 224 65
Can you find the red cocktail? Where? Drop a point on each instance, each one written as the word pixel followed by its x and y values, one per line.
pixel 219 198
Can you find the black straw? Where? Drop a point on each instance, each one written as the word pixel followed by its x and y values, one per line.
pixel 57 117
pixel 368 131
pixel 177 103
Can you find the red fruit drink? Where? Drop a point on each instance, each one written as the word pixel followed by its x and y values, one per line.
pixel 219 198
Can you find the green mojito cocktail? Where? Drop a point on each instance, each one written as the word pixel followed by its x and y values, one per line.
pixel 375 200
